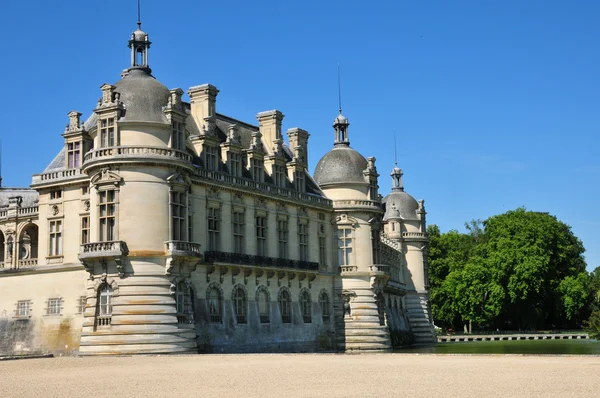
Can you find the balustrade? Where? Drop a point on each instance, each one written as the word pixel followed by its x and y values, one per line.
pixel 56 175
pixel 30 262
pixel 175 246
pixel 136 151
pixel 260 261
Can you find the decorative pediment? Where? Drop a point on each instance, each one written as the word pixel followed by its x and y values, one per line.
pixel 179 179
pixel 344 219
pixel 106 176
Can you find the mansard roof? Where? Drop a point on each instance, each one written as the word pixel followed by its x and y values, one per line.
pixel 30 196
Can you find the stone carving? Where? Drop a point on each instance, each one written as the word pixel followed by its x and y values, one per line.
pixel 347 296
pixel 302 212
pixel 212 193
pixel 54 210
pixel 86 205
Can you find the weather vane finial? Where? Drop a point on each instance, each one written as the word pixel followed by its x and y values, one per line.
pixel 339 90
pixel 139 22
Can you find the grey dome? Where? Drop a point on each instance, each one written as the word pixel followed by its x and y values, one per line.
pixel 340 119
pixel 143 96
pixel 341 165
pixel 399 204
pixel 139 35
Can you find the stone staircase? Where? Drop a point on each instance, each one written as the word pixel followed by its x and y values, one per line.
pixel 418 317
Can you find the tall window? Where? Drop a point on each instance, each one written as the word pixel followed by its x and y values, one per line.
pixel 261 236
pixel 180 298
pixel 214 215
pixel 55 248
pixel 240 303
pixel 85 230
pixel 303 241
pixel 344 246
pixel 23 307
pixel 373 190
pixel 104 305
pixel 107 215
pixel 81 303
pixel 211 157
pixel 238 232
pixel 305 306
pixel 107 132
pixel 375 246
pixel 54 306
pixel 282 232
pixel 262 297
pixel 178 216
pixel 325 306
pixel 322 251
pixel 235 164
pixel 285 306
pixel 258 172
pixel 214 305
pixel 279 175
pixel 299 180
pixel 74 155
pixel 178 136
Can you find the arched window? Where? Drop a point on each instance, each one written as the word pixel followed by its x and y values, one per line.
pixel 214 300
pixel 104 305
pixel 240 303
pixel 325 306
pixel 285 305
pixel 305 306
pixel 262 299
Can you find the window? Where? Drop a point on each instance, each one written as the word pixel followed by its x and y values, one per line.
pixel 213 228
pixel 322 251
pixel 345 247
pixel 238 232
pixel 104 309
pixel 81 303
pixel 178 136
pixel 85 230
pixel 235 164
pixel 54 195
pixel 381 309
pixel 107 132
pixel 214 304
pixel 54 306
pixel 282 232
pixel 180 299
pixel 262 298
pixel 23 307
pixel 240 303
pixel 325 306
pixel 189 227
pixel 178 216
pixel 299 181
pixel 303 240
pixel 107 215
pixel 373 190
pixel 85 190
pixel 285 306
pixel 55 248
pixel 258 172
pixel 261 236
pixel 74 155
pixel 278 175
pixel 305 306
pixel 375 246
pixel 211 158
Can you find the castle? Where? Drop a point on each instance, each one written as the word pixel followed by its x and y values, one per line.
pixel 163 226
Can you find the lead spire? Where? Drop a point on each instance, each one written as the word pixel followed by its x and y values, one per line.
pixel 340 124
pixel 139 22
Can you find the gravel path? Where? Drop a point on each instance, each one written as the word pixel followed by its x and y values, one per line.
pixel 304 375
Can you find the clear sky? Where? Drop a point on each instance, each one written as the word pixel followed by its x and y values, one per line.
pixel 495 104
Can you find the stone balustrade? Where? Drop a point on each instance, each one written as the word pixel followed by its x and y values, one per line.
pixel 27 211
pixel 137 152
pixel 102 249
pixel 259 261
pixel 380 268
pixel 56 176
pixel 177 247
pixel 348 268
pixel 30 262
pixel 414 235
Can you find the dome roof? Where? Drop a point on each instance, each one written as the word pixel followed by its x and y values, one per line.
pixel 399 204
pixel 139 35
pixel 143 96
pixel 341 165
pixel 340 119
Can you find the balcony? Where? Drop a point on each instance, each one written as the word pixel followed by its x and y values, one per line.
pixel 178 248
pixel 57 176
pixel 125 154
pixel 212 257
pixel 27 263
pixel 99 250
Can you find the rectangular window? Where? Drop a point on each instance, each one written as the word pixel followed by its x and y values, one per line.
pixel 258 172
pixel 261 236
pixel 303 241
pixel 322 251
pixel 214 216
pixel 282 232
pixel 55 248
pixel 235 164
pixel 107 132
pixel 23 307
pixel 373 191
pixel 238 232
pixel 107 215
pixel 299 181
pixel 178 136
pixel 345 247
pixel 74 155
pixel 211 158
pixel 278 176
pixel 85 230
pixel 54 306
pixel 375 246
pixel 54 195
pixel 189 226
pixel 178 216
pixel 85 190
pixel 81 303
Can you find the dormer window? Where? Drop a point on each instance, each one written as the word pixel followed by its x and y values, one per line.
pixel 299 181
pixel 278 176
pixel 74 155
pixel 178 136
pixel 107 132
pixel 211 158
pixel 258 172
pixel 235 164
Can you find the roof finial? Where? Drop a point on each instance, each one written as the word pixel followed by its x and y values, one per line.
pixel 139 22
pixel 339 89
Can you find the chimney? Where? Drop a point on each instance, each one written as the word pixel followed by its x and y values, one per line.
pixel 203 100
pixel 298 139
pixel 269 124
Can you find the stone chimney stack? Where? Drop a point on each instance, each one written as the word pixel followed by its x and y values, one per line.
pixel 269 124
pixel 203 100
pixel 298 139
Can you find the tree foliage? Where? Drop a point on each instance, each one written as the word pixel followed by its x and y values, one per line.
pixel 517 270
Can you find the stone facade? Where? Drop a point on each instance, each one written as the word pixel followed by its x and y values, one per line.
pixel 163 226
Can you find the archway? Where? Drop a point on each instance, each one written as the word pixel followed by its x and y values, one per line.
pixel 28 243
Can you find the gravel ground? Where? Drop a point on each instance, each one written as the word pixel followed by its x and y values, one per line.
pixel 304 375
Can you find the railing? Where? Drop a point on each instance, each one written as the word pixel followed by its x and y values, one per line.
pixel 28 210
pixel 182 246
pixel 103 320
pixel 3 213
pixel 30 262
pixel 380 268
pixel 348 268
pixel 361 203
pixel 260 261
pixel 262 187
pixel 136 151
pixel 56 175
pixel 414 235
pixel 109 248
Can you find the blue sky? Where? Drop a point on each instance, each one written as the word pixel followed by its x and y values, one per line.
pixel 495 104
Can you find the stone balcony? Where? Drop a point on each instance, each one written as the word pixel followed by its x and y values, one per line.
pixel 178 248
pixel 415 236
pixel 53 177
pixel 213 257
pixel 103 252
pixel 138 154
pixel 27 263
